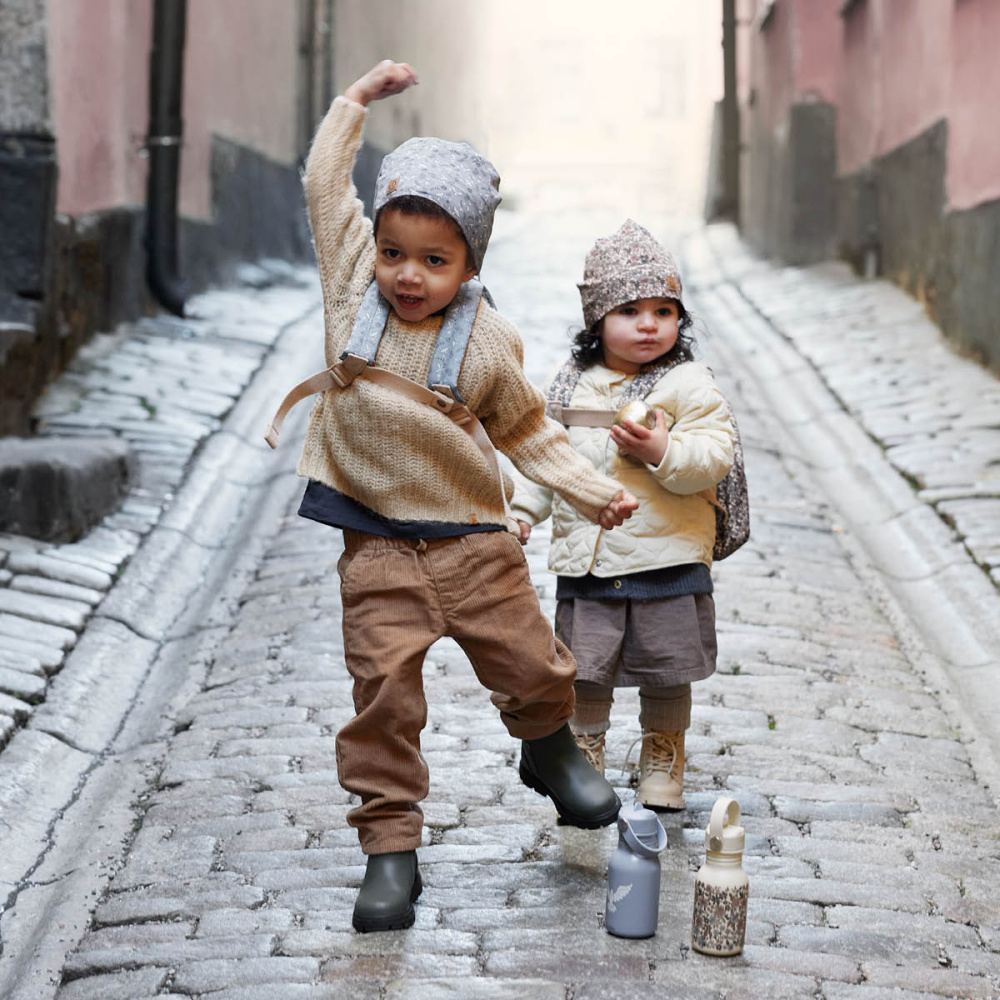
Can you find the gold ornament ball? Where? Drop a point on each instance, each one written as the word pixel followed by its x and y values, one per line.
pixel 638 412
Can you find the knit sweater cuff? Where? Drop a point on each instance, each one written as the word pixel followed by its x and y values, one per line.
pixel 592 495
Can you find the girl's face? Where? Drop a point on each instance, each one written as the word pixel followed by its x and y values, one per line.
pixel 638 332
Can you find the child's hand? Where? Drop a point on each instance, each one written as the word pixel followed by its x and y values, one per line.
pixel 647 445
pixel 525 531
pixel 384 80
pixel 618 510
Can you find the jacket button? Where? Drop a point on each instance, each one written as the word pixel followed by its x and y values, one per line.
pixel 618 585
pixel 598 563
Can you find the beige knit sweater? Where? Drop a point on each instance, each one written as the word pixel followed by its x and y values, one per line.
pixel 398 458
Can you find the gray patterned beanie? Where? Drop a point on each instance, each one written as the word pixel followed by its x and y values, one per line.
pixel 623 267
pixel 450 174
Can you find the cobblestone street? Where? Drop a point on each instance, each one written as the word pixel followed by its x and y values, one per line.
pixel 192 841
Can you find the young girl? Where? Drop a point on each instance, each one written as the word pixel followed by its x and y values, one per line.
pixel 635 606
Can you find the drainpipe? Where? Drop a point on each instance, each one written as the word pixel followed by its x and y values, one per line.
pixel 163 143
pixel 730 201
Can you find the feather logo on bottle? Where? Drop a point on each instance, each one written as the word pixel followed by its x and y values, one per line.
pixel 615 896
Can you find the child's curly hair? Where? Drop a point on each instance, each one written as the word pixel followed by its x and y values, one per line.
pixel 588 350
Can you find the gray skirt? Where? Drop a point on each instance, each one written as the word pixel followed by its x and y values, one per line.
pixel 629 643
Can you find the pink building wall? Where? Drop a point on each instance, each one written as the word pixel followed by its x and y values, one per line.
pixel 796 56
pixel 974 138
pixel 239 82
pixel 774 83
pixel 911 63
pixel 98 68
pixel 816 45
pixel 909 90
pixel 895 81
pixel 788 124
pixel 858 106
pixel 914 49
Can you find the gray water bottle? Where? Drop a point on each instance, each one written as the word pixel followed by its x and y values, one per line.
pixel 633 904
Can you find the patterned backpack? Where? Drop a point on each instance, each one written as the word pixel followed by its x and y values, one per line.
pixel 729 498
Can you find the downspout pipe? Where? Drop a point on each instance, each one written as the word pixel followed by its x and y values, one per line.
pixel 163 144
pixel 730 207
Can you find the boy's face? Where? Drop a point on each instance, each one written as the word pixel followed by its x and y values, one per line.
pixel 639 332
pixel 420 263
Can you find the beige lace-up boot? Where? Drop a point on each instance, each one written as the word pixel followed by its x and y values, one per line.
pixel 592 747
pixel 661 771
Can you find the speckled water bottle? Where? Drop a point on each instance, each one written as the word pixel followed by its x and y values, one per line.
pixel 721 888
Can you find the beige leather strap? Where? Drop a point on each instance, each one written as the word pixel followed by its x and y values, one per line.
pixel 342 374
pixel 580 416
pixel 319 382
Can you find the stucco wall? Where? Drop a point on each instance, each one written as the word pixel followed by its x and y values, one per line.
pixel 817 46
pixel 859 103
pixel 974 139
pixel 920 157
pixel 240 83
pixel 908 64
pixel 442 39
pixel 774 59
pixel 98 60
pixel 788 196
pixel 27 196
pixel 240 195
pixel 914 47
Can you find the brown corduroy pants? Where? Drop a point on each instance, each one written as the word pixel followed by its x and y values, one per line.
pixel 399 597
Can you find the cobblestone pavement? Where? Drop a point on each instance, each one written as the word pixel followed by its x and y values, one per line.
pixel 164 386
pixel 936 415
pixel 872 842
pixel 900 433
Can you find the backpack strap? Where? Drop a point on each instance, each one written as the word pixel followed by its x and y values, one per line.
pixel 564 384
pixel 363 344
pixel 453 338
pixel 561 387
pixel 443 395
pixel 369 325
pixel 581 416
pixel 338 376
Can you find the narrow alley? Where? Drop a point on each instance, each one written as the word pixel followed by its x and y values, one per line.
pixel 194 838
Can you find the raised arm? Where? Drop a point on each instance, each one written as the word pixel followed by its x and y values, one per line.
pixel 340 230
pixel 385 79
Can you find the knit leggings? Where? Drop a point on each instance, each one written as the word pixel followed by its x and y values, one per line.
pixel 661 709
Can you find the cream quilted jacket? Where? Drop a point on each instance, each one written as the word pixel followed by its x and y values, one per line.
pixel 674 525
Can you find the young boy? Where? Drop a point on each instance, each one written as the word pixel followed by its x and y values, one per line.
pixel 428 543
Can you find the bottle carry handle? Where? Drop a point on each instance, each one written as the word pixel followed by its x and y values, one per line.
pixel 725 812
pixel 638 847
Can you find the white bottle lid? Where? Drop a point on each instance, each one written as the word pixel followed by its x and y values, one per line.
pixel 724 835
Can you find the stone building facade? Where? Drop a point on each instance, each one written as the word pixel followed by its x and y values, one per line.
pixel 869 133
pixel 74 115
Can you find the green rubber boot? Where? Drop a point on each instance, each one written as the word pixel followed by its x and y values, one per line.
pixel 555 766
pixel 391 884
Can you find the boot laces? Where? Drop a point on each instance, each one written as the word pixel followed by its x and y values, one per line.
pixel 591 747
pixel 662 752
